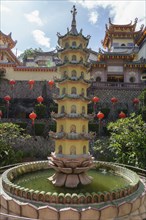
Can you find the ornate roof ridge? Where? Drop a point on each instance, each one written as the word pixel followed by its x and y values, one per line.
pixel 124 25
pixel 8 38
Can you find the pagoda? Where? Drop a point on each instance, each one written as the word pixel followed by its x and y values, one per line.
pixel 71 159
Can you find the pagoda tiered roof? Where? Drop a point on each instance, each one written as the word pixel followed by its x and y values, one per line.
pixel 120 31
pixel 71 136
pixel 73 31
pixel 104 55
pixel 140 38
pixel 71 96
pixel 7 39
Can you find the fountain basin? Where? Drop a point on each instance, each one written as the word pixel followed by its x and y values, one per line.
pixel 46 197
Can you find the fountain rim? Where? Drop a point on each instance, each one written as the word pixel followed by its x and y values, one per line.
pixel 21 193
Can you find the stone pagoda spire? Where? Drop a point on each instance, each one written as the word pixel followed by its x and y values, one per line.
pixel 71 158
pixel 73 24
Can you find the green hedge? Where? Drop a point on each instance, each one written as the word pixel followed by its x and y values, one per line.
pixel 39 129
pixel 93 127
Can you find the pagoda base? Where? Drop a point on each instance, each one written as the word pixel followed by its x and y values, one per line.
pixel 70 180
pixel 70 172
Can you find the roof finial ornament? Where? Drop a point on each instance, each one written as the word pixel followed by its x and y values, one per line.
pixel 73 24
pixel 74 12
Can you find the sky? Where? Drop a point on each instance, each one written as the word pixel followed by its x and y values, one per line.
pixel 35 23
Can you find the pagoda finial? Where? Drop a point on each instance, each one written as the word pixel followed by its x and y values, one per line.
pixel 73 24
pixel 74 12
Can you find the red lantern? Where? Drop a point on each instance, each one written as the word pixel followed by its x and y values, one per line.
pixel 1 114
pixel 7 98
pixel 12 82
pixel 114 100
pixel 31 83
pixel 122 115
pixel 100 115
pixel 40 99
pixel 32 116
pixel 95 99
pixel 135 101
pixel 51 83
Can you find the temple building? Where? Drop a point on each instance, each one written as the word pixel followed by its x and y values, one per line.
pixel 118 69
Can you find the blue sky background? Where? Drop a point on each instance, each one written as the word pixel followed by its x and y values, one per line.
pixel 35 23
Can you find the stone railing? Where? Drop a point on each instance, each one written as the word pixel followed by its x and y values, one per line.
pixel 118 85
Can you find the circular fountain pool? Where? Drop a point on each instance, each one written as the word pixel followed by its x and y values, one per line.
pixel 30 182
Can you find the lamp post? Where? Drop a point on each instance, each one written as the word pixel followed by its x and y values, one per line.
pixel 31 83
pixel 12 82
pixel 114 100
pixel 122 115
pixel 51 83
pixel 7 98
pixel 40 99
pixel 135 103
pixel 95 100
pixel 100 116
pixel 33 116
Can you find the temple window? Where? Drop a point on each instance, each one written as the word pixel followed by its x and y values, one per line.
pixel 66 45
pixel 132 79
pixel 73 129
pixel 74 44
pixel 73 150
pixel 83 91
pixel 62 109
pixel 73 109
pixel 83 109
pixel 65 59
pixel 83 128
pixel 73 73
pixel 60 149
pixel 84 149
pixel 74 58
pixel 98 79
pixel 63 91
pixel 61 128
pixel 65 73
pixel 82 74
pixel 123 45
pixel 73 90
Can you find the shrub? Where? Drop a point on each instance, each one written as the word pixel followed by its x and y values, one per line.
pixel 40 110
pixel 39 129
pixel 128 140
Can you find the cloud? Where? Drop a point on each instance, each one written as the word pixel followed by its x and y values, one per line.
pixel 33 17
pixel 40 38
pixel 5 9
pixel 122 12
pixel 93 17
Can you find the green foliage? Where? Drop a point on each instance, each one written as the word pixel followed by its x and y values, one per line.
pixel 7 154
pixel 29 52
pixel 39 129
pixel 143 113
pixel 128 140
pixel 40 110
pixel 22 125
pixel 142 97
pixel 105 111
pixel 52 127
pixel 93 127
pixel 10 132
pixel 101 150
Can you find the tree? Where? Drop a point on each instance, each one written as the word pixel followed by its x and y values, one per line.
pixel 128 140
pixel 9 133
pixel 29 52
